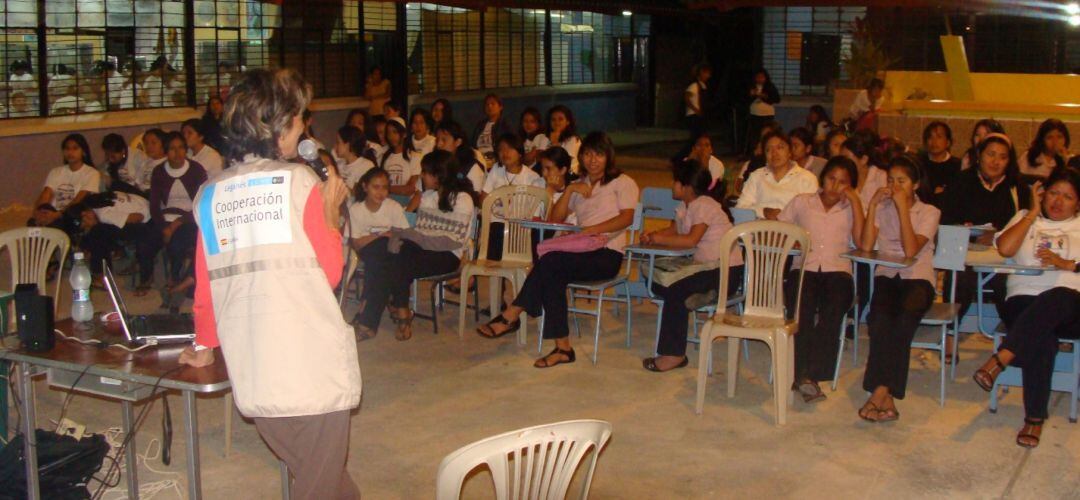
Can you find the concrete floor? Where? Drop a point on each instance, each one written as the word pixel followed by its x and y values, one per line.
pixel 428 396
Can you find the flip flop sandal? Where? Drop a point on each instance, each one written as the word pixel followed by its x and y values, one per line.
pixel 888 415
pixel 512 326
pixel 867 410
pixel 364 333
pixel 544 363
pixel 404 327
pixel 650 364
pixel 1033 435
pixel 811 393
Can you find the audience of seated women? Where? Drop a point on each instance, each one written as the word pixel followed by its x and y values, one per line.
pixel 562 131
pixel 356 160
pixel 450 137
pixel 402 165
pixel 173 186
pixel 66 186
pixel 532 133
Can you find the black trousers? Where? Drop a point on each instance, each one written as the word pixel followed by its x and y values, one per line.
pixel 895 312
pixel 696 125
pixel 544 291
pixel 673 325
pixel 388 276
pixel 753 131
pixel 1035 325
pixel 826 296
pixel 967 282
pixel 103 239
pixel 181 247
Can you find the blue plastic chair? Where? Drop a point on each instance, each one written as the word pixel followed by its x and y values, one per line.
pixel 1066 377
pixel 658 203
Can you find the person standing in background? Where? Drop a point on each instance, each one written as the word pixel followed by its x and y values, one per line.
pixel 376 91
pixel 693 98
pixel 763 95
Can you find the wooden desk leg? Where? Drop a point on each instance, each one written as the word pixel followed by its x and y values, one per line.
pixel 26 386
pixel 191 433
pixel 130 453
pixel 228 423
pixel 286 493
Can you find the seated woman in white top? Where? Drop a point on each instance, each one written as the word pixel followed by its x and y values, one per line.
pixel 604 201
pixel 68 184
pixel 377 135
pixel 868 102
pixel 702 152
pixel 451 137
pixel 422 140
pixel 769 189
pixel 700 222
pixel 562 131
pixel 802 151
pixel 555 167
pixel 833 217
pixel 445 209
pixel 352 148
pixel 861 148
pixel 898 222
pixel 509 171
pixel 144 158
pixel 198 150
pixel 1049 150
pixel 532 132
pixel 1039 309
pixel 398 161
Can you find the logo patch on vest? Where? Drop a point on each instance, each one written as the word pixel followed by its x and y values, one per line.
pixel 246 211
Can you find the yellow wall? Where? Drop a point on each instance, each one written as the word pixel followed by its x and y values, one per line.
pixel 1005 88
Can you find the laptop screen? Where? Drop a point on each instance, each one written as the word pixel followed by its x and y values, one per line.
pixel 118 302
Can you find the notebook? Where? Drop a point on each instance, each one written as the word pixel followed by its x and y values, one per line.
pixel 149 328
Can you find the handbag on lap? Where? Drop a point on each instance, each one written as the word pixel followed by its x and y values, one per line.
pixel 572 243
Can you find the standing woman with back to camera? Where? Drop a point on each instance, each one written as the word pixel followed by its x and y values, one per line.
pixel 264 286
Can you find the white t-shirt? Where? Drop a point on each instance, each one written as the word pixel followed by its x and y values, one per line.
pixel 378 149
pixel 209 158
pixel 66 184
pixel 178 196
pixel 539 142
pixel 364 222
pixel 716 169
pixel 476 176
pixel 604 203
pixel 499 177
pixel 572 145
pixel 139 168
pixel 124 205
pixel 1062 237
pixel 423 146
pixel 401 169
pixel 862 105
pixel 463 205
pixel 484 142
pixel 761 108
pixel 352 172
pixel 762 190
pixel 695 97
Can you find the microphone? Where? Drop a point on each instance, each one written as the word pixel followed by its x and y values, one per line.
pixel 309 151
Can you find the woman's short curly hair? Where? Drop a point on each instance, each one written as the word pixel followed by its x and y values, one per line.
pixel 260 108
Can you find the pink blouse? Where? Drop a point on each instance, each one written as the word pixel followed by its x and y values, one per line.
pixel 705 210
pixel 830 232
pixel 924 220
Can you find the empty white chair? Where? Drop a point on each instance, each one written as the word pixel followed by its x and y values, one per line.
pixel 532 463
pixel 30 249
pixel 768 245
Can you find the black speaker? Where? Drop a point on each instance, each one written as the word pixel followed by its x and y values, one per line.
pixel 34 318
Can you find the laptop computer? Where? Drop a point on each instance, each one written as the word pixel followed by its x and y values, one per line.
pixel 149 328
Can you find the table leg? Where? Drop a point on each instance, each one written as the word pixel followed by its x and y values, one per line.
pixel 130 455
pixel 286 492
pixel 26 387
pixel 981 282
pixel 870 292
pixel 191 432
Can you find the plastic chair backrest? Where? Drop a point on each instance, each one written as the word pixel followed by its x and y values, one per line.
pixel 29 250
pixel 740 215
pixel 513 202
pixel 658 203
pixel 767 245
pixel 352 260
pixel 952 247
pixel 535 463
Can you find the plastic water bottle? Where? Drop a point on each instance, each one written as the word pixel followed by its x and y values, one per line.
pixel 81 307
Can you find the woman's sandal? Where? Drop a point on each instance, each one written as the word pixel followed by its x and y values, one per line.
pixel 888 415
pixel 1030 433
pixel 650 364
pixel 511 327
pixel 869 409
pixel 544 363
pixel 363 333
pixel 810 392
pixel 404 325
pixel 986 377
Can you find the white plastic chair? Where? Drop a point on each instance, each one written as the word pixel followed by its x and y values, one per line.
pixel 353 262
pixel 767 245
pixel 29 250
pixel 534 463
pixel 505 203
